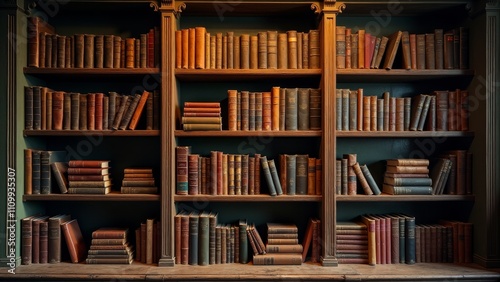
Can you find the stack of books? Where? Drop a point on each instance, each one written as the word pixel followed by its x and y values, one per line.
pixel 282 247
pixel 202 116
pixel 138 181
pixel 352 242
pixel 89 177
pixel 110 246
pixel 407 177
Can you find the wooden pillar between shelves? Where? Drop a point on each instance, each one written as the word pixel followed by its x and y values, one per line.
pixel 167 132
pixel 328 142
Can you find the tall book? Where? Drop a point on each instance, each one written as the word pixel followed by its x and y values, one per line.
pixel 74 240
pixel 392 48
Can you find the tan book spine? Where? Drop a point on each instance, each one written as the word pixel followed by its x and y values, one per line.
pixel 61 51
pixel 42 45
pixel 224 51
pixel 236 52
pixel 300 36
pixel 361 49
pixel 199 60
pixel 262 49
pixel 218 50
pixel 138 111
pixel 232 110
pixel 292 49
pixel 348 48
pixel 57 110
pixel 207 51
pixel 129 52
pixel 305 51
pixel 314 49
pixel 225 174
pixel 275 108
pixel 373 113
pixel 282 51
pixel 91 111
pixel 272 49
pixel 117 54
pixel 79 53
pixel 191 47
pixel 254 52
pixel 89 51
pixel 266 111
pixel 99 51
pixel 340 46
pixel 311 176
pixel 108 51
pixel 367 113
pixel 245 51
pixel 213 52
pixel 230 50
pixel 360 111
pixel 185 48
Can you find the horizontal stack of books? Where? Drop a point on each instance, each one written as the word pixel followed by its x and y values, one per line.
pixel 138 181
pixel 202 116
pixel 352 242
pixel 110 246
pixel 407 177
pixel 282 247
pixel 89 177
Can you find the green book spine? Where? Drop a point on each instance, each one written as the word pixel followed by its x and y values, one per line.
pixel 267 176
pixel 193 238
pixel 243 242
pixel 291 174
pixel 303 109
pixel 301 174
pixel 274 175
pixel 410 240
pixel 291 108
pixel 203 239
pixel 370 180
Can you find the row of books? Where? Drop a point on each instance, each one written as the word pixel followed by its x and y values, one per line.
pixel 138 181
pixel 51 239
pixel 396 238
pixel 148 241
pixel 348 172
pixel 278 109
pixel 409 177
pixel 43 169
pixel 110 245
pixel 46 109
pixel 442 110
pixel 46 49
pixel 240 174
pixel 196 48
pixel 435 50
pixel 201 116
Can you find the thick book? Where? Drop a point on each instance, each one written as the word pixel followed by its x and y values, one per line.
pixel 371 181
pixel 46 159
pixel 36 26
pixel 391 50
pixel 74 240
pixel 55 248
pixel 278 259
pixel 59 171
pixel 267 175
pixel 138 110
pixel 407 190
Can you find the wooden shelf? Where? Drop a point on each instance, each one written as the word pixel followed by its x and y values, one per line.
pixel 111 197
pixel 404 198
pixel 120 133
pixel 249 272
pixel 88 72
pixel 227 133
pixel 243 74
pixel 398 75
pixel 247 198
pixel 406 134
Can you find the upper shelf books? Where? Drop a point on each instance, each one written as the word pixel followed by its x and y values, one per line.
pixel 434 50
pixel 47 49
pixel 196 48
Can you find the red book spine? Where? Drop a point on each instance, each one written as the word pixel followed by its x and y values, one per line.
pixel 91 110
pixel 193 178
pixel 99 98
pixel 151 49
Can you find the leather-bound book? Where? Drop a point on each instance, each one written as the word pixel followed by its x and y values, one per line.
pixel 392 49
pixel 300 38
pixel 311 176
pixel 275 108
pixel 464 110
pixel 272 49
pixel 275 177
pixel 376 49
pixel 57 110
pixel 251 111
pixel 354 50
pixel 463 48
pixel 230 50
pixel 236 52
pixel 191 47
pixel 314 49
pixel 315 109
pixel 213 173
pixel 267 176
pixel 405 43
pixel 182 153
pixel 438 48
pixel 61 51
pixel 178 51
pixel 120 112
pixel 361 48
pixel 74 240
pixel 292 49
pixel 282 108
pixel 282 51
pixel 91 109
pixel 213 52
pixel 99 51
pixel 69 52
pixel 66 111
pixel 421 51
pixel 207 51
pixel 448 50
pixel 254 53
pixel 79 40
pixel 117 54
pixel 41 49
pixel 386 96
pixel 48 50
pixel 452 110
pixel 245 106
pixel 137 53
pixel 54 51
pixel 218 50
pixel 237 174
pixel 369 47
pixel 399 113
pixel 266 111
pixel 88 51
pixel 348 48
pixel 151 48
pixel 352 109
pixel 138 110
pixel 105 112
pixel 199 59
pixel 244 173
pixel 262 49
pixel 291 172
pixel 257 173
pixel 351 175
pixel 108 51
pixel 232 109
pixel 380 114
pixel 127 116
pixel 48 110
pixel 303 109
pixel 28 107
pixel 245 51
pixel 185 47
pixel 305 50
pixel 373 113
pixel 291 110
pixel 251 175
pixel 82 124
pixel 224 51
pixel 98 120
pixel 36 25
pixel 129 52
pixel 413 50
pixel 430 51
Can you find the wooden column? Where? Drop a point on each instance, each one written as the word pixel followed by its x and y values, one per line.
pixel 328 142
pixel 168 21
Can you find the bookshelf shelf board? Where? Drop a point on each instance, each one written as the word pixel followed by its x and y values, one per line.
pixel 248 198
pixel 398 75
pixel 406 134
pixel 111 197
pixel 242 74
pixel 120 133
pixel 405 198
pixel 90 71
pixel 226 133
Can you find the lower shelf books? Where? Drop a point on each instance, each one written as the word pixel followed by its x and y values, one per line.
pixel 147 242
pixel 110 246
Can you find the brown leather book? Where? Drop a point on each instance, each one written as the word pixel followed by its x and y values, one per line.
pixel 254 52
pixel 120 112
pixel 392 49
pixel 430 51
pixel 117 54
pixel 178 49
pixel 42 45
pixel 66 111
pixel 266 111
pixel 348 48
pixel 367 113
pixel 138 110
pixel 405 44
pixel 232 110
pixel 27 240
pixel 224 51
pixel 91 111
pixel 236 52
pixel 421 51
pixel 88 51
pixel 413 50
pixel 199 47
pixel 57 110
pixel 48 50
pixel 245 51
pixel 79 41
pixel 110 233
pixel 282 51
pixel 311 176
pixel 373 113
pixel 193 177
pixel 305 50
pixel 61 51
pixel 361 48
pixel 207 51
pixel 98 120
pixel 292 49
pixel 245 107
pixel 129 52
pixel 251 111
pixel 230 50
pixel 376 49
pixel 262 49
pixel 272 49
pixel 89 163
pixel 108 51
pixel 244 173
pixel 369 48
pixel 137 53
pixel 36 26
pixel 399 113
pixel 74 240
pixel 303 109
pixel 315 109
pixel 237 174
pixel 314 49
pixel 185 48
pixel 218 50
pixel 257 173
pixel 213 173
pixel 191 47
pixel 275 107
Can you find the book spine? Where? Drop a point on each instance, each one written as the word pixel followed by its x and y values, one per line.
pixel 267 175
pixel 182 153
pixel 199 47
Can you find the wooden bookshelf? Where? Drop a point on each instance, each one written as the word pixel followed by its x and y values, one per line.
pixel 248 198
pixel 115 133
pixel 399 75
pixel 111 197
pixel 243 74
pixel 404 134
pixel 90 71
pixel 405 198
pixel 227 133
